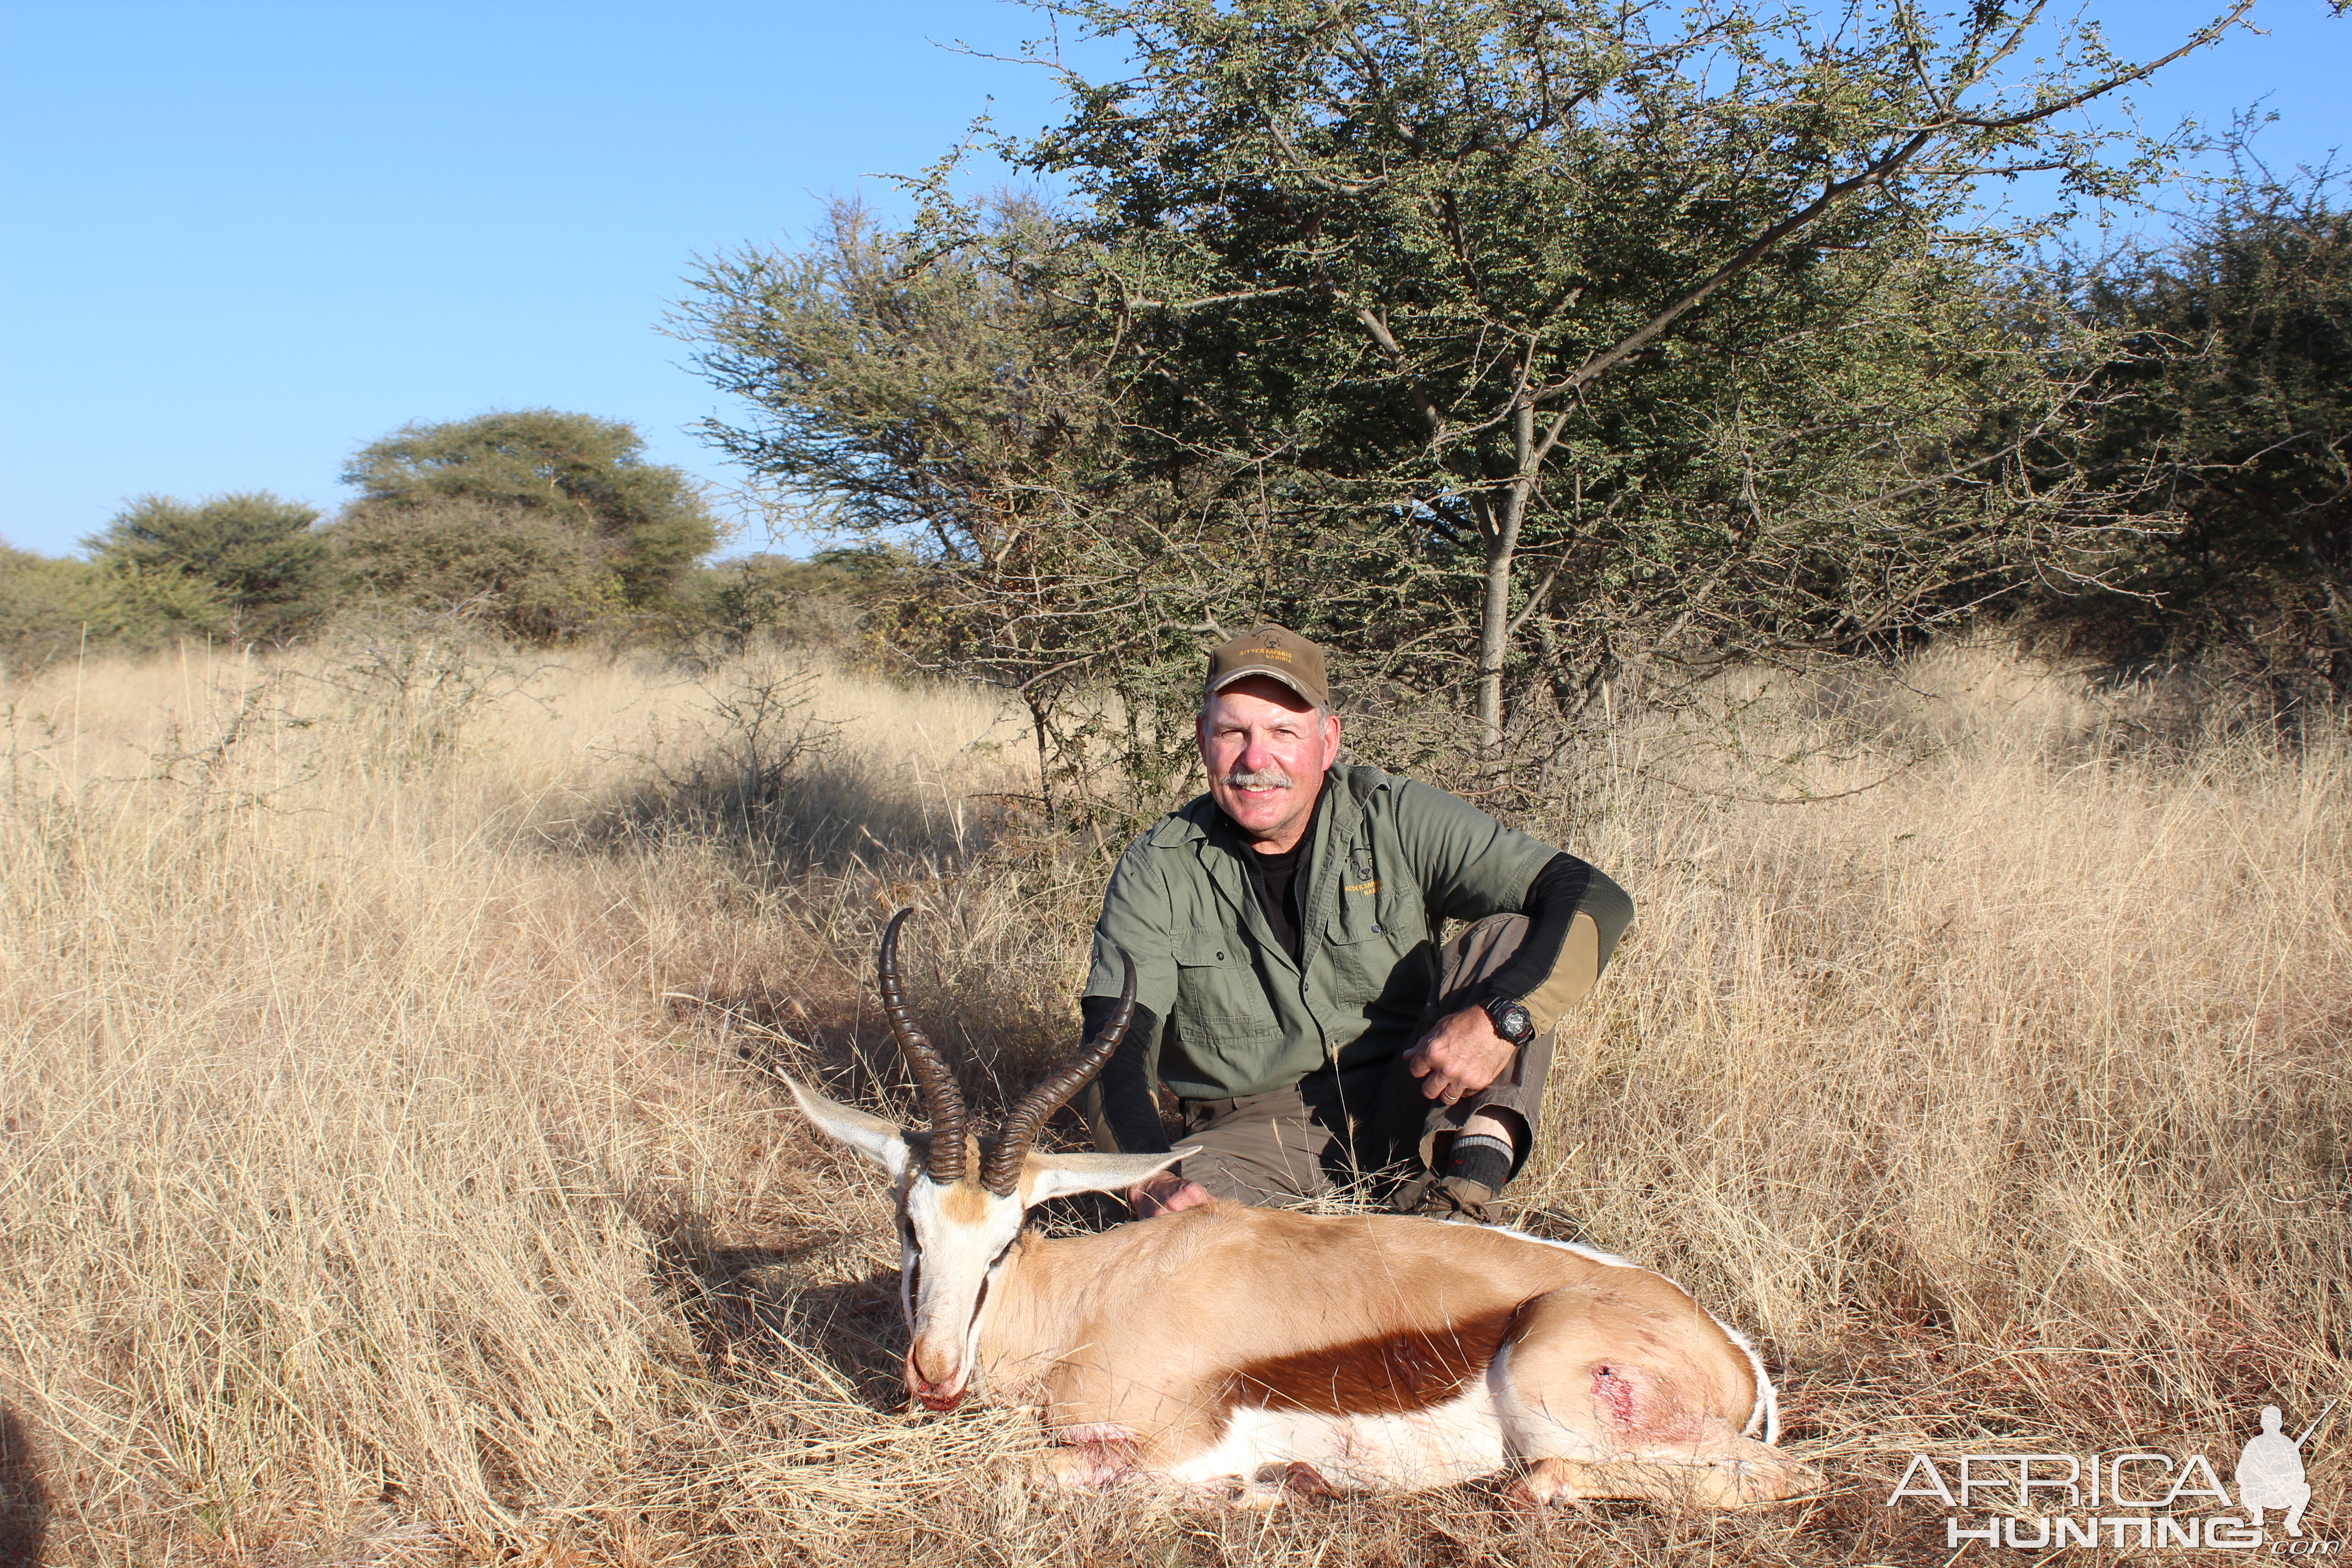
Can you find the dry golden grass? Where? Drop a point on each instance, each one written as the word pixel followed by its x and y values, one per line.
pixel 390 1174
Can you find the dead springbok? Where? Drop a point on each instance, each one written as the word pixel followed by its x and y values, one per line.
pixel 1241 1350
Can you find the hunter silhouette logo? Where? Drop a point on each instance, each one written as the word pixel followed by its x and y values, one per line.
pixel 2124 1498
pixel 2270 1471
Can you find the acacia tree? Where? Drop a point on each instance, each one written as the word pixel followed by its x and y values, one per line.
pixel 932 389
pixel 244 564
pixel 1568 310
pixel 2238 397
pixel 574 491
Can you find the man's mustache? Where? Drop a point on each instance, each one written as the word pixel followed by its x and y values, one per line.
pixel 1268 778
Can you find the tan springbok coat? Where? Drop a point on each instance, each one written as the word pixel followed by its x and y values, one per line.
pixel 1243 1351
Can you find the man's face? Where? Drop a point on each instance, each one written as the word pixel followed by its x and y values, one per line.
pixel 1266 753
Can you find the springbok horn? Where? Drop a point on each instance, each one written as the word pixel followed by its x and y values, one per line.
pixel 940 1095
pixel 1002 1171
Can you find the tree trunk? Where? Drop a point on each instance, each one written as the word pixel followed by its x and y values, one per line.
pixel 1494 624
pixel 1502 534
pixel 1038 716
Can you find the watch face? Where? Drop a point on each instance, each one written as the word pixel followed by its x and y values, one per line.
pixel 1512 1022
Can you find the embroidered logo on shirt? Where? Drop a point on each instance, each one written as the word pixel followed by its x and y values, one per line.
pixel 1372 887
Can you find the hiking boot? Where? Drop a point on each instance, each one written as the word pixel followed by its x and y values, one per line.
pixel 1447 1198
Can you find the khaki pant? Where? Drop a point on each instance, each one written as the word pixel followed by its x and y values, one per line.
pixel 1332 1130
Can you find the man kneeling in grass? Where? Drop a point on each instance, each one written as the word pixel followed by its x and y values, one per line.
pixel 1290 989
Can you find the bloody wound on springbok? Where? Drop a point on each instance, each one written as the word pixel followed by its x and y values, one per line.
pixel 1244 1351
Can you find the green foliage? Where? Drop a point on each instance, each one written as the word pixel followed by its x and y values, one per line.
pixel 50 608
pixel 915 382
pixel 565 488
pixel 1579 334
pixel 534 575
pixel 1507 346
pixel 245 566
pixel 792 604
pixel 935 392
pixel 2237 399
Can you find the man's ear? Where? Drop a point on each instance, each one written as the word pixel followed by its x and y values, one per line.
pixel 878 1140
pixel 1059 1175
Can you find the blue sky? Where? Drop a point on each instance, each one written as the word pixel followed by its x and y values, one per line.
pixel 240 238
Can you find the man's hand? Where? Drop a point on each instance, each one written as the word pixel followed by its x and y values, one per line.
pixel 1460 1057
pixel 1166 1193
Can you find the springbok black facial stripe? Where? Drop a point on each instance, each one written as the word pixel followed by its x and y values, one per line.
pixel 989 1279
pixel 914 1271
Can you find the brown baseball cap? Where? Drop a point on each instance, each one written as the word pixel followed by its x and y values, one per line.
pixel 1278 653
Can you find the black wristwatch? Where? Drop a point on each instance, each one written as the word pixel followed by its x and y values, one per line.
pixel 1511 1020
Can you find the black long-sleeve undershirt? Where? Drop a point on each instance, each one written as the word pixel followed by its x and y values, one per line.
pixel 1125 1102
pixel 1550 909
pixel 1276 880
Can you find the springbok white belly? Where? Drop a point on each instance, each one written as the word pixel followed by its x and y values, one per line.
pixel 1409 1451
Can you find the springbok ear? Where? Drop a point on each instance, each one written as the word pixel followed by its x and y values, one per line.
pixel 1059 1175
pixel 878 1140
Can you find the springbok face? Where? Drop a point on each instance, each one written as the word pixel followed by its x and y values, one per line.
pixel 958 1231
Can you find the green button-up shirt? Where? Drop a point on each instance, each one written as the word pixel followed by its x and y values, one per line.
pixel 1391 861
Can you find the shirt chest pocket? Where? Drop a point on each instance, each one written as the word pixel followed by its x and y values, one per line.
pixel 1219 994
pixel 1376 907
pixel 1375 935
